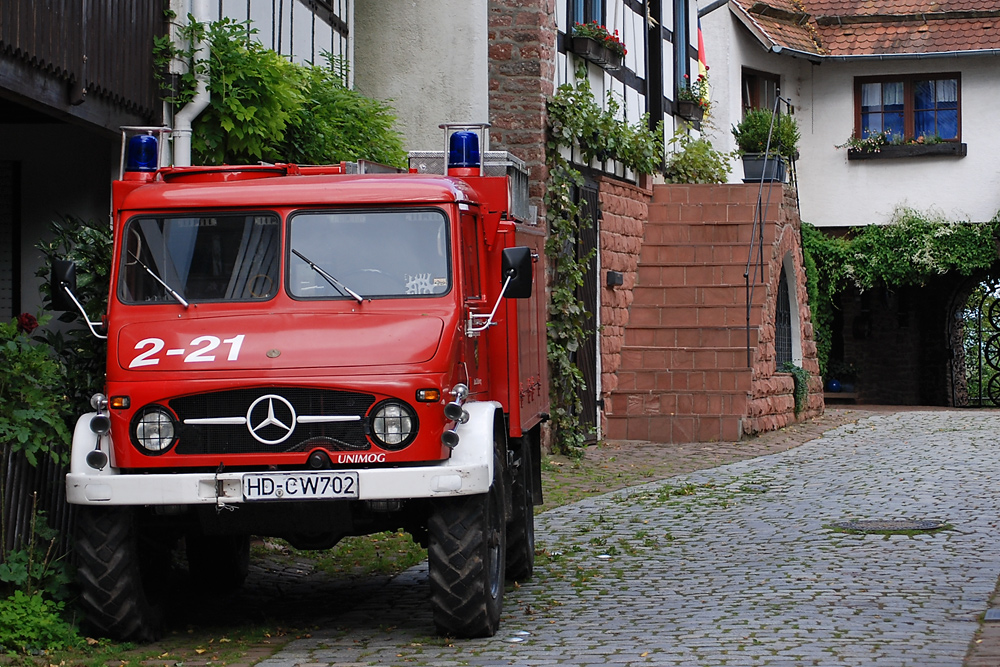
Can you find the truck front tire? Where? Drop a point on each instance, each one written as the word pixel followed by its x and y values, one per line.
pixel 466 558
pixel 117 573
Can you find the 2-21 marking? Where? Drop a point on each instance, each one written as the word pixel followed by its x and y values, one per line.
pixel 203 346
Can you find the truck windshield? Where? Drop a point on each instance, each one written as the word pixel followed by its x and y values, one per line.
pixel 374 253
pixel 219 257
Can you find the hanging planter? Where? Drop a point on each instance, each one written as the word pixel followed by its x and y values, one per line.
pixel 690 110
pixel 592 50
pixel 592 41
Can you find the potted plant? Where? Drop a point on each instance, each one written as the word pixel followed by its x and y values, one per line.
pixel 764 158
pixel 692 98
pixel 593 42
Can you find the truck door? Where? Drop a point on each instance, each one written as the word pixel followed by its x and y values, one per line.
pixel 475 300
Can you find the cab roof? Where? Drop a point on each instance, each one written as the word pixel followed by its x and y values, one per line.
pixel 273 190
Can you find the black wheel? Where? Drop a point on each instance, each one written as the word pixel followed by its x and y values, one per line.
pixel 466 560
pixel 521 529
pixel 120 569
pixel 218 562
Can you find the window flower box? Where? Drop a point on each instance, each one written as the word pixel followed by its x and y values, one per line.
pixel 690 110
pixel 592 50
pixel 892 151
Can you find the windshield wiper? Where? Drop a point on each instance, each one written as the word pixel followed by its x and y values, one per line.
pixel 160 280
pixel 337 285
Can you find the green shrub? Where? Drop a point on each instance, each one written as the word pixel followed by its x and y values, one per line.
pixel 266 108
pixel 32 407
pixel 30 623
pixel 751 133
pixel 695 161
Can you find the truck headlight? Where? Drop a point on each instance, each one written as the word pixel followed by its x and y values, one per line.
pixel 394 425
pixel 153 429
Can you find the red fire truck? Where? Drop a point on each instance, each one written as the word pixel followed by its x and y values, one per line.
pixel 309 353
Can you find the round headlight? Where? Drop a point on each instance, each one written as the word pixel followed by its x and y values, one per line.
pixel 394 425
pixel 153 429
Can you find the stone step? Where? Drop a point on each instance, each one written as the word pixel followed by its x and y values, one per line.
pixel 696 295
pixel 733 275
pixel 683 358
pixel 709 194
pixel 675 428
pixel 693 254
pixel 663 233
pixel 689 336
pixel 686 381
pixel 701 316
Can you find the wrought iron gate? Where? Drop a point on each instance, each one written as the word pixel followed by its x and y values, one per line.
pixel 982 345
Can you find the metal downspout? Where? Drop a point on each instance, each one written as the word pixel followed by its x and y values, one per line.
pixel 185 117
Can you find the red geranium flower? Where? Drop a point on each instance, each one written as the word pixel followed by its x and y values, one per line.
pixel 26 323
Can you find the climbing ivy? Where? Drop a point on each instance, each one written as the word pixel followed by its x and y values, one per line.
pixel 800 378
pixel 913 248
pixel 576 120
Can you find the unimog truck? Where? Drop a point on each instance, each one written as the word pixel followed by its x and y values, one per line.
pixel 309 353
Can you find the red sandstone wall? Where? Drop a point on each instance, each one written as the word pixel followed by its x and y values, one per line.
pixel 624 210
pixel 772 402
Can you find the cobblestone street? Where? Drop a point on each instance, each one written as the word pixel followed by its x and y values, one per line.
pixel 737 565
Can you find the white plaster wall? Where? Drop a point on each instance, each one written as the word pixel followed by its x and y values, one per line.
pixel 836 192
pixel 428 59
pixel 832 190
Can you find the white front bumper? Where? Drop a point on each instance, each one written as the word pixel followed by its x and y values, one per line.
pixel 468 471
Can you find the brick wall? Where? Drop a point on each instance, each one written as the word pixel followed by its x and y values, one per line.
pixel 522 37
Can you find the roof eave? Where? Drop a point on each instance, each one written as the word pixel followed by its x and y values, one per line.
pixel 796 53
pixel 914 56
pixel 765 40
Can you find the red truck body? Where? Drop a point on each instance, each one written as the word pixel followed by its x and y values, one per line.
pixel 316 348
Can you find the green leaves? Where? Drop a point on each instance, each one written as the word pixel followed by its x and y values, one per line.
pixel 266 108
pixel 752 133
pixel 33 415
pixel 695 161
pixel 32 624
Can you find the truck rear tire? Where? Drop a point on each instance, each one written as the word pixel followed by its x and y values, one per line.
pixel 466 561
pixel 521 529
pixel 117 575
pixel 218 562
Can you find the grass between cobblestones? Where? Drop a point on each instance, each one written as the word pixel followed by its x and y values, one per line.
pixel 222 635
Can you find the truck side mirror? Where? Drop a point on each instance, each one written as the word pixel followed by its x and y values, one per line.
pixel 516 263
pixel 63 275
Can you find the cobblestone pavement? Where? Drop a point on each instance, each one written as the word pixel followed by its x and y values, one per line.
pixel 736 565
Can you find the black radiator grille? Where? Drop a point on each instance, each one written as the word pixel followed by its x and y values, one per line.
pixel 237 439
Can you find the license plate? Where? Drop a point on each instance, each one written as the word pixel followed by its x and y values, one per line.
pixel 321 484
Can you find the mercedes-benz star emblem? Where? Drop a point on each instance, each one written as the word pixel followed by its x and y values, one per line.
pixel 277 419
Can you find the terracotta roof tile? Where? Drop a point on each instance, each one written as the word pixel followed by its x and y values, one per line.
pixel 869 7
pixel 873 27
pixel 911 37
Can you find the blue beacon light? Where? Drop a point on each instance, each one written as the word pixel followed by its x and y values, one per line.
pixel 143 154
pixel 464 150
